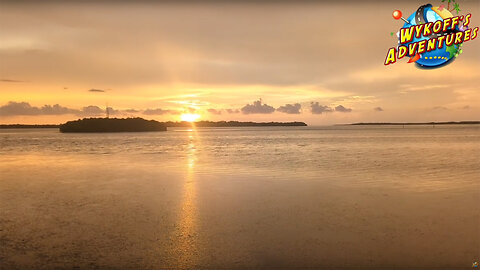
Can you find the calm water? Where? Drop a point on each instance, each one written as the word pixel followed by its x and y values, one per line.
pixel 243 198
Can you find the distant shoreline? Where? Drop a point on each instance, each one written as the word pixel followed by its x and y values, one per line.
pixel 412 124
pixel 7 126
pixel 183 124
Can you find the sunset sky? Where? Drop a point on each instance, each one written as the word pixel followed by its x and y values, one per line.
pixel 318 62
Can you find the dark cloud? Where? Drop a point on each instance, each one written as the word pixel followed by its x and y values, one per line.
pixel 97 90
pixel 290 108
pixel 11 81
pixel 257 108
pixel 466 107
pixel 378 109
pixel 319 109
pixel 340 108
pixel 440 108
pixel 213 111
pixel 24 108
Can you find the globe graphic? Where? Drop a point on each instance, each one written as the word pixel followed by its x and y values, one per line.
pixel 439 57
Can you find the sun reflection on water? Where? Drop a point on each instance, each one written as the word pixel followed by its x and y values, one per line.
pixel 187 225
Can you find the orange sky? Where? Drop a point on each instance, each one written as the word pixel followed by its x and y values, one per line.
pixel 158 61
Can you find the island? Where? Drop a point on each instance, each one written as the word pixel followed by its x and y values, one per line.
pixel 112 125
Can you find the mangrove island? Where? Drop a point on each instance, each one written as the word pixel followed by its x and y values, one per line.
pixel 112 125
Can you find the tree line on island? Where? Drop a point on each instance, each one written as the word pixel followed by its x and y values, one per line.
pixel 140 124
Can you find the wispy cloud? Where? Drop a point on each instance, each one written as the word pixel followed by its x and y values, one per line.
pixel 11 81
pixel 159 111
pixel 222 111
pixel 232 110
pixel 132 111
pixel 214 111
pixel 97 90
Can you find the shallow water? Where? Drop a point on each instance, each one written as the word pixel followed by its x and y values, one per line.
pixel 342 197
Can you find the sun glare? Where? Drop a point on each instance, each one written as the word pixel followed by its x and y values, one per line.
pixel 189 117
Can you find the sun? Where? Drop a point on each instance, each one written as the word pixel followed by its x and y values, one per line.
pixel 189 117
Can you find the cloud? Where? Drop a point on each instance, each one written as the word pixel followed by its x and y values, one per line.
pixel 340 108
pixel 378 109
pixel 222 111
pixel 97 90
pixel 132 111
pixel 467 107
pixel 96 111
pixel 290 108
pixel 159 111
pixel 13 108
pixel 232 110
pixel 440 108
pixel 92 110
pixel 213 111
pixel 112 111
pixel 24 108
pixel 257 108
pixel 56 110
pixel 11 81
pixel 319 109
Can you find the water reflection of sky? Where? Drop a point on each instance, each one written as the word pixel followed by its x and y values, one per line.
pixel 195 197
pixel 416 158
